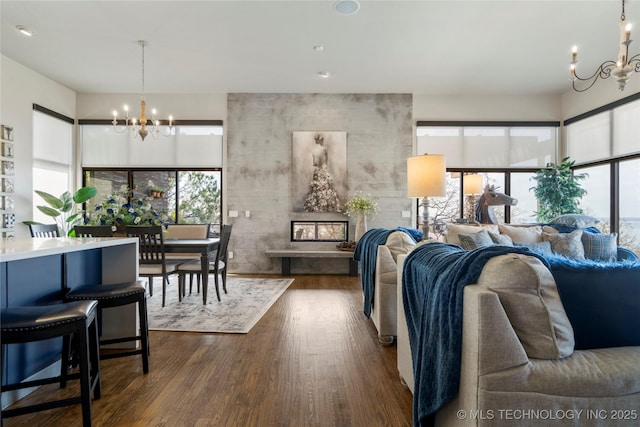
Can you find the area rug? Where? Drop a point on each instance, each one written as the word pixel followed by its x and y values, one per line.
pixel 244 304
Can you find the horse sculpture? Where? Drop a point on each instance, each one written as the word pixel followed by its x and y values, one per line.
pixel 490 198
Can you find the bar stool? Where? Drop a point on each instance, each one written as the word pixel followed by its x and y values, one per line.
pixel 114 296
pixel 35 323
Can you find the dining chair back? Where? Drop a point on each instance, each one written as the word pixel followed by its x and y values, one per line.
pixel 93 231
pixel 151 257
pixel 186 231
pixel 217 266
pixel 44 230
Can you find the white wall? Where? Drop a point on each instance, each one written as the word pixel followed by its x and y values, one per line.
pixel 21 88
pixel 602 93
pixel 487 108
pixel 191 106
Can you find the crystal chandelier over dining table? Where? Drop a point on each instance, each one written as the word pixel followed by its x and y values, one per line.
pixel 139 126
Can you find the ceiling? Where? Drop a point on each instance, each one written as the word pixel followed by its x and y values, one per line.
pixel 420 47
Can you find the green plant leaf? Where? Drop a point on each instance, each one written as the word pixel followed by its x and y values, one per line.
pixel 49 211
pixel 84 194
pixel 50 199
pixel 67 202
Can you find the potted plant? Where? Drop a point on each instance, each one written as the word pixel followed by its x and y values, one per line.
pixel 65 209
pixel 120 209
pixel 361 206
pixel 558 190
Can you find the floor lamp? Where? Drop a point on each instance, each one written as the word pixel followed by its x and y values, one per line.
pixel 472 187
pixel 426 177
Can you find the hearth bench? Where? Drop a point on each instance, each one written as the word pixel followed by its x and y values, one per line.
pixel 287 254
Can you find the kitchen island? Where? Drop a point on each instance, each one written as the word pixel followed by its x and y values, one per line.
pixel 37 271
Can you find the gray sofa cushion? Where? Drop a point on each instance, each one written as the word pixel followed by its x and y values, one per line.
pixel 566 244
pixel 475 240
pixel 522 234
pixel 530 298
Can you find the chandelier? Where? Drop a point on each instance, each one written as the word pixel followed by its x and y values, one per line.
pixel 621 69
pixel 139 126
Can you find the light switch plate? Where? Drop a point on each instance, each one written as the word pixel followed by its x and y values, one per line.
pixel 233 214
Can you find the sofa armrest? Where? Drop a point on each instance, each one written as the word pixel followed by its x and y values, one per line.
pixel 487 334
pixel 383 311
pixel 386 267
pixel 625 254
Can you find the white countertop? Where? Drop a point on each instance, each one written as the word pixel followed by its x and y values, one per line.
pixel 18 249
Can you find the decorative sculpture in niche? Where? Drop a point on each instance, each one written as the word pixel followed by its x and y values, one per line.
pixel 490 198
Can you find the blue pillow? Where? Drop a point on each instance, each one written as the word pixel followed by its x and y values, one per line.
pixel 601 247
pixel 542 248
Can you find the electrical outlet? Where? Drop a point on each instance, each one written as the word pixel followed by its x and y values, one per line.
pixel 230 254
pixel 247 214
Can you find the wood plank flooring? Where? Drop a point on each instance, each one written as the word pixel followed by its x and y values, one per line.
pixel 312 360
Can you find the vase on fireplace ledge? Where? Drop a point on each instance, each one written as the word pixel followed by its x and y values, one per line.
pixel 361 225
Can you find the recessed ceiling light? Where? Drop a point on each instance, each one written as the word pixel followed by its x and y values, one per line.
pixel 324 74
pixel 318 48
pixel 346 7
pixel 26 31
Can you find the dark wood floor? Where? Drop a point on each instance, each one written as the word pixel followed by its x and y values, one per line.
pixel 312 360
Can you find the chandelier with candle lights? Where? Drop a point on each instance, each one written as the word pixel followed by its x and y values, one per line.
pixel 139 126
pixel 621 69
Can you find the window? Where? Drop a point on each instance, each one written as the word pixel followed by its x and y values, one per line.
pixel 52 154
pixel 319 231
pixel 596 202
pixel 629 225
pixel 502 145
pixel 604 144
pixel 180 196
pixel 505 154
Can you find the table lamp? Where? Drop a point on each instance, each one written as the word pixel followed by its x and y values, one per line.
pixel 426 177
pixel 471 187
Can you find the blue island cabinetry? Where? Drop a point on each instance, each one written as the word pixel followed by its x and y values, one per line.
pixel 35 272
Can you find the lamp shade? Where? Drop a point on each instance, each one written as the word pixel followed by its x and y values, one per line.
pixel 427 176
pixel 472 184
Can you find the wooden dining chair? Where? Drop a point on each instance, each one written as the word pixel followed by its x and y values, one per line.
pixel 93 231
pixel 151 257
pixel 218 266
pixel 44 230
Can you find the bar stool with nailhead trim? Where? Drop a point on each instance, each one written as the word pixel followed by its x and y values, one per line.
pixel 24 324
pixel 117 295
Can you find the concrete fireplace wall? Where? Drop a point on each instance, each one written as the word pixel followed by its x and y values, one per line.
pixel 258 172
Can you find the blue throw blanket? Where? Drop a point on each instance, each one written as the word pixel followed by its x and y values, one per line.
pixel 366 252
pixel 433 279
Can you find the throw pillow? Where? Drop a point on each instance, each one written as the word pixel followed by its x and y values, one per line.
pixel 399 242
pixel 501 239
pixel 522 234
pixel 531 301
pixel 576 221
pixel 475 240
pixel 601 247
pixel 542 248
pixel 454 229
pixel 566 244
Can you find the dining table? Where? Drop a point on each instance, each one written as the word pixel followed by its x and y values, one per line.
pixel 204 246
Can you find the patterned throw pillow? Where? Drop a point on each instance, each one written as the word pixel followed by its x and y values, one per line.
pixel 576 221
pixel 566 244
pixel 601 247
pixel 475 240
pixel 501 239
